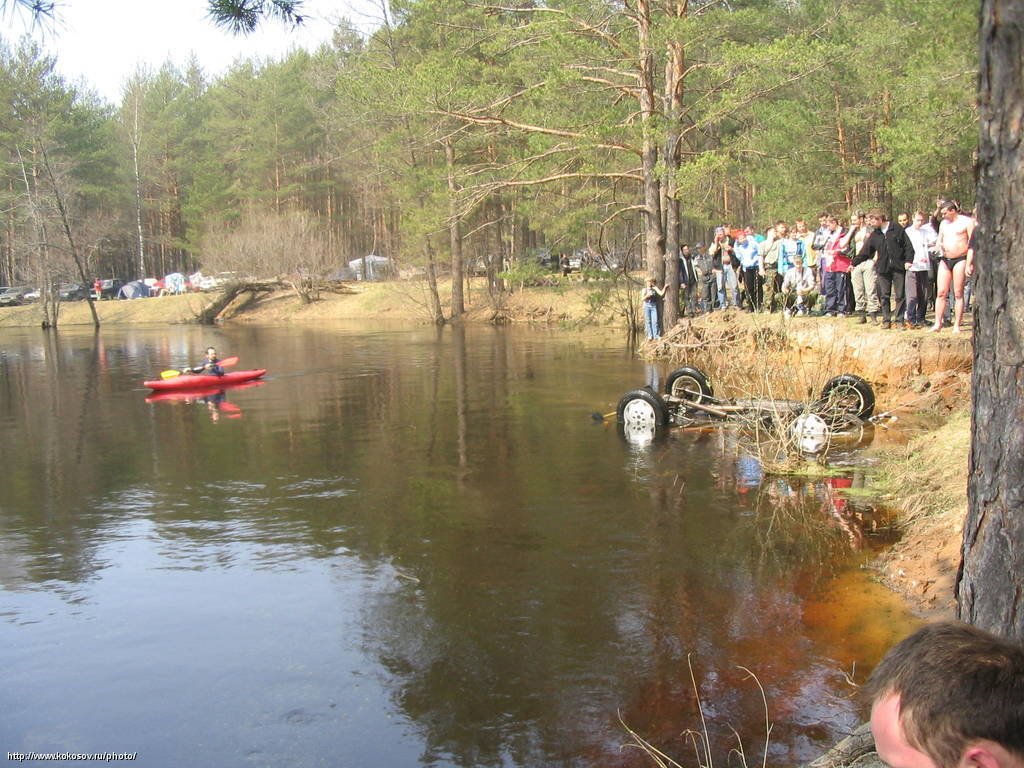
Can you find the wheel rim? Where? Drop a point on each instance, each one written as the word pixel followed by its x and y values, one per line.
pixel 846 398
pixel 687 388
pixel 639 414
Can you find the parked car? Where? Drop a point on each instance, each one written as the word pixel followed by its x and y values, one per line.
pixel 34 295
pixel 579 259
pixel 109 288
pixel 73 292
pixel 13 297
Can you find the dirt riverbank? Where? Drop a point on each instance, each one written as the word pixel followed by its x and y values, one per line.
pixel 915 373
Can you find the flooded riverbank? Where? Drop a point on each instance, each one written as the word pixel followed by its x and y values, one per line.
pixel 920 377
pixel 410 546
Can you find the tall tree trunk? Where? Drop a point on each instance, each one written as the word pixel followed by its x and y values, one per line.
pixel 673 115
pixel 435 297
pixel 7 270
pixel 41 248
pixel 990 585
pixel 844 161
pixel 135 140
pixel 654 236
pixel 455 233
pixel 59 199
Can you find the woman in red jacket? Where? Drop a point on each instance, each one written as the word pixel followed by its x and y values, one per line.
pixel 837 269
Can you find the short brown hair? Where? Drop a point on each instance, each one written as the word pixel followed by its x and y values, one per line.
pixel 956 684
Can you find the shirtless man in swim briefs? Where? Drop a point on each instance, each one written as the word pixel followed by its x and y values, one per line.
pixel 956 262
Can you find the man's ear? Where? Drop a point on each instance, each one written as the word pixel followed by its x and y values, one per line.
pixel 987 754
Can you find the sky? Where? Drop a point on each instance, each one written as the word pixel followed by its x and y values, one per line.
pixel 103 42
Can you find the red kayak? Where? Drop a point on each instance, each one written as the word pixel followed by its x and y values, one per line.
pixel 201 381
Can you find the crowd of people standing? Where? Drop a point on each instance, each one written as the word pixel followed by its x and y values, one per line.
pixel 867 266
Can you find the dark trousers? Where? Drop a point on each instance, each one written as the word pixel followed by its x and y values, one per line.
pixel 836 284
pixel 917 296
pixel 890 287
pixel 687 299
pixel 707 293
pixel 933 280
pixel 752 288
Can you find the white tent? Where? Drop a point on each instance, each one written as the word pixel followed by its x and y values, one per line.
pixel 377 267
pixel 174 283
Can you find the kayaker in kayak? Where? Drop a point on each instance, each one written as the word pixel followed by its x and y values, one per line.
pixel 210 366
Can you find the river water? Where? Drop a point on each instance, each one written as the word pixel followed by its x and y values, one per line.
pixel 409 546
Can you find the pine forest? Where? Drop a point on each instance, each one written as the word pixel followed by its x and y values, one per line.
pixel 464 138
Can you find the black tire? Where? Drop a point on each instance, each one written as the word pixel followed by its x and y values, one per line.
pixel 690 385
pixel 847 394
pixel 642 407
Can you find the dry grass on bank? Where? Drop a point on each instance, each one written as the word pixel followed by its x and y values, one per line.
pixel 568 301
pixel 927 482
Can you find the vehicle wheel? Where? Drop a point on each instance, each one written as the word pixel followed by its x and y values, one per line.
pixel 689 384
pixel 642 408
pixel 847 394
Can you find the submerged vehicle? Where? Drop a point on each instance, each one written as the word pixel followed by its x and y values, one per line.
pixel 197 382
pixel 846 400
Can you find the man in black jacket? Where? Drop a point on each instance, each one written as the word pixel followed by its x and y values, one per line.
pixel 687 283
pixel 891 250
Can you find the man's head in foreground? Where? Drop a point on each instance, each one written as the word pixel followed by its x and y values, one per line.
pixel 949 696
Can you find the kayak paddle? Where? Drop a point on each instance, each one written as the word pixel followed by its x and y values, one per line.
pixel 227 362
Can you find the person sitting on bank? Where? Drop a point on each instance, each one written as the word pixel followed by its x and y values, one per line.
pixel 209 367
pixel 949 696
pixel 799 280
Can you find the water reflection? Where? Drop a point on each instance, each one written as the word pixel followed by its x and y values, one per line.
pixel 213 399
pixel 416 548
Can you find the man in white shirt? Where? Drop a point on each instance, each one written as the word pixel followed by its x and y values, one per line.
pixel 799 280
pixel 923 238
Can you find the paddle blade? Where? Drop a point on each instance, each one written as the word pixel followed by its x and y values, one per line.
pixel 169 374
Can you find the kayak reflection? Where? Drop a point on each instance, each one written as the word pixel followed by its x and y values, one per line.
pixel 215 399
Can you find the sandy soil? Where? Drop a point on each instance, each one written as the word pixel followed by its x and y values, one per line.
pixel 913 371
